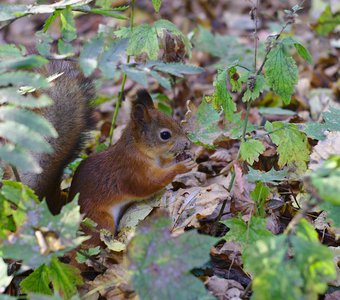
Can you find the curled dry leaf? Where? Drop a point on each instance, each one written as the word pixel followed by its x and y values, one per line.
pixel 187 207
pixel 190 179
pixel 225 289
pixel 324 149
pixel 114 284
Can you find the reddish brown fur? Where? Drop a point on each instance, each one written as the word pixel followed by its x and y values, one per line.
pixel 136 167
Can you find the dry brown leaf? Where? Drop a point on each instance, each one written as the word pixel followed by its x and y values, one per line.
pixel 225 289
pixel 187 207
pixel 190 179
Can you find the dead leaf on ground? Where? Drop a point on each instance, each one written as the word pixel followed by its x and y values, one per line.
pixel 225 289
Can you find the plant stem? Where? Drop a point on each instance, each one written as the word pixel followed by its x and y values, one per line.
pixel 246 122
pixel 122 87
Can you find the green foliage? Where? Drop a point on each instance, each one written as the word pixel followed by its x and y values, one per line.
pixel 258 84
pixel 40 231
pixel 331 123
pixel 293 148
pixel 305 275
pixel 89 55
pixel 273 177
pixel 205 128
pixel 281 72
pixel 326 180
pixel 157 4
pixel 161 264
pixel 260 195
pixel 63 277
pixel 246 234
pixel 250 150
pixel 327 21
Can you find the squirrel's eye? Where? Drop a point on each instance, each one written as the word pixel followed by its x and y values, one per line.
pixel 165 134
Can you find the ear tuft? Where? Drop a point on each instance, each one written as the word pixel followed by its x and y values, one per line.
pixel 144 98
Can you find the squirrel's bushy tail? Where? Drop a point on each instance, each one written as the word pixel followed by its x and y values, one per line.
pixel 71 116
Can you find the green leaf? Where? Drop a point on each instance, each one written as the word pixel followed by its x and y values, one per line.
pixel 292 145
pixel 10 50
pixel 276 111
pixel 44 43
pixel 5 280
pixel 89 55
pixel 21 78
pixel 68 25
pixel 10 11
pixel 164 82
pixel 326 180
pixel 37 282
pixel 108 12
pixel 273 177
pixel 333 213
pixel 144 40
pixel 246 234
pixel 32 120
pixel 51 19
pixel 153 254
pixel 327 22
pixel 252 95
pixel 204 125
pixel 157 4
pixel 64 278
pixel 221 97
pixel 175 69
pixel 281 72
pixel 65 48
pixel 12 96
pixel 260 195
pixel 135 75
pixel 250 150
pixel 31 61
pixel 235 82
pixel 301 50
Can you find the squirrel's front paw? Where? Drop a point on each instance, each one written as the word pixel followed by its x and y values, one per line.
pixel 188 164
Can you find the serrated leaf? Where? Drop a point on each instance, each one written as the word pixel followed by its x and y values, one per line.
pixel 333 213
pixel 31 61
pixel 221 97
pixel 153 254
pixel 272 176
pixel 246 234
pixel 64 278
pixel 112 56
pixel 33 121
pixel 164 82
pixel 281 72
pixel 252 95
pixel 37 282
pixel 10 50
pixel 68 25
pixel 204 125
pixel 292 145
pixel 250 150
pixel 157 4
pixel 135 75
pixel 300 48
pixel 5 280
pixel 89 55
pixel 143 40
pixel 175 69
pixel 260 195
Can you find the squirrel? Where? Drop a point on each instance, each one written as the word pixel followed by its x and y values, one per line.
pixel 140 164
pixel 71 116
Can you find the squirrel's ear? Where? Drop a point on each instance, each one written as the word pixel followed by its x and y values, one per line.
pixel 140 107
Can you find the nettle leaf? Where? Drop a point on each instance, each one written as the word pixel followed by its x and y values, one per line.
pixel 204 129
pixel 235 127
pixel 5 280
pixel 246 233
pixel 112 56
pixel 252 95
pixel 89 55
pixel 144 40
pixel 157 4
pixel 292 145
pixel 326 180
pixel 281 72
pixel 250 150
pixel 273 177
pixel 161 264
pixel 221 98
pixel 301 50
pixel 331 123
pixel 68 25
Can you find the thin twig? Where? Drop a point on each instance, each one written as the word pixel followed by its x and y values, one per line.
pixel 122 87
pixel 16 174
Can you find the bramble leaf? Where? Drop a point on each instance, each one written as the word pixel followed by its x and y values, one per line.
pixel 292 145
pixel 281 72
pixel 250 150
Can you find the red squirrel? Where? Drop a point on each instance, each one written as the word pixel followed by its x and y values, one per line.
pixel 141 163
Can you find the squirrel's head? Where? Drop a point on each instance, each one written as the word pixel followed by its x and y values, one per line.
pixel 159 134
